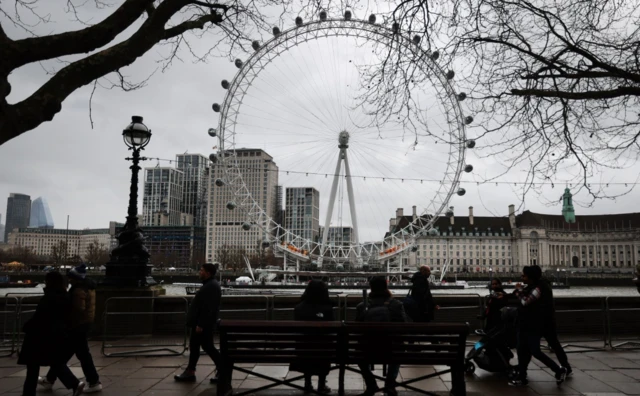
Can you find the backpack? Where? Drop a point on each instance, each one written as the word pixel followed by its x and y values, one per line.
pixel 378 313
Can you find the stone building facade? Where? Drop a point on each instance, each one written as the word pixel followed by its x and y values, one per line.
pixel 506 244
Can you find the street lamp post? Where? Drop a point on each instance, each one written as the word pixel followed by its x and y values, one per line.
pixel 490 276
pixel 129 264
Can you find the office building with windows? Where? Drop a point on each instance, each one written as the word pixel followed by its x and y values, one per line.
pixel 163 194
pixel 302 212
pixel 224 226
pixel 195 170
pixel 18 213
pixel 40 214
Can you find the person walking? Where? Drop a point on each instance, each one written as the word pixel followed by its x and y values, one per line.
pixel 533 302
pixel 380 307
pixel 201 319
pixel 549 331
pixel 46 338
pixel 419 303
pixel 315 306
pixel 83 311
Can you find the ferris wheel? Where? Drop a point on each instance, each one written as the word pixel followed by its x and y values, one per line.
pixel 302 98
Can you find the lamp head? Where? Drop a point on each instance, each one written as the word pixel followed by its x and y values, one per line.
pixel 136 135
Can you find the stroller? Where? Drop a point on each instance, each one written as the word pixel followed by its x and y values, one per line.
pixel 493 352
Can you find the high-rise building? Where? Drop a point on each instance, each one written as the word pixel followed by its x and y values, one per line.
pixel 224 226
pixel 40 214
pixel 194 190
pixel 1 230
pixel 302 212
pixel 18 212
pixel 163 188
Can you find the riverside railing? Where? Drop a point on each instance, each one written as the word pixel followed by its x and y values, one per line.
pixel 581 328
pixel 134 326
pixel 150 325
pixel 623 322
pixel 8 326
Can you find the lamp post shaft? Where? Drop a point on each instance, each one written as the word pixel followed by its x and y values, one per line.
pixel 132 217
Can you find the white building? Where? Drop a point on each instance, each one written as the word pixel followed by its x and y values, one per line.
pixel 41 240
pixel 163 187
pixel 224 226
pixel 302 212
pixel 506 244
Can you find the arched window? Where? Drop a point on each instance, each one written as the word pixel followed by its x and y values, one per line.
pixel 533 247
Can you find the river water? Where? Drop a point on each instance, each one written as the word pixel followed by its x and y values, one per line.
pixel 577 291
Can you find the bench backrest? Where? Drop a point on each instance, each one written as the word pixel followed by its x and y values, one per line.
pixel 405 343
pixel 352 342
pixel 262 341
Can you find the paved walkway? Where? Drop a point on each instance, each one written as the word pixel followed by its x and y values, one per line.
pixel 595 374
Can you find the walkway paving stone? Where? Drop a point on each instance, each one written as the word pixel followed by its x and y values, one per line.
pixel 601 373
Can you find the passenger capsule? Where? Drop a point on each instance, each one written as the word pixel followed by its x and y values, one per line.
pixel 416 39
pixel 347 15
pixel 238 63
pixel 468 168
pixel 220 182
pixel 246 226
pixel 451 74
pixel 216 107
pixel 299 21
pixel 231 205
pixel 256 45
pixel 468 120
pixel 276 31
pixel 461 191
pixel 435 55
pixel 471 144
pixel 213 158
pixel 323 15
pixel 462 96
pixel 372 18
pixel 225 84
pixel 212 132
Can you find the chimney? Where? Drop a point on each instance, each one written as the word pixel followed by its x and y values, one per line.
pixel 399 213
pixel 470 215
pixel 392 223
pixel 512 216
pixel 453 215
pixel 415 215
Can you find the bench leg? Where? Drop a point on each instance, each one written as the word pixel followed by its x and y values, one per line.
pixel 458 386
pixel 341 380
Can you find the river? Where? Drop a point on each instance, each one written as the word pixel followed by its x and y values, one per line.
pixel 577 291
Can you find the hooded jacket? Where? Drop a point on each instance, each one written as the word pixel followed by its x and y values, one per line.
pixel 83 303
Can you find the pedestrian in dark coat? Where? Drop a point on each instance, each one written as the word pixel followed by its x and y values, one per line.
pixel 46 339
pixel 201 319
pixel 82 310
pixel 549 331
pixel 315 306
pixel 533 302
pixel 381 307
pixel 420 305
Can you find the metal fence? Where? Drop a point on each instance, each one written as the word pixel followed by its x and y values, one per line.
pixel 150 325
pixel 623 322
pixel 583 328
pixel 8 326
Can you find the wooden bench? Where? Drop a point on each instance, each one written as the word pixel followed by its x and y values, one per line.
pixel 344 345
pixel 407 344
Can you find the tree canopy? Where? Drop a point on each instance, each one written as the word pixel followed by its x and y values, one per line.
pixel 553 86
pixel 127 30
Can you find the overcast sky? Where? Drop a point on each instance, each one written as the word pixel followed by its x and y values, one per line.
pixel 82 172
